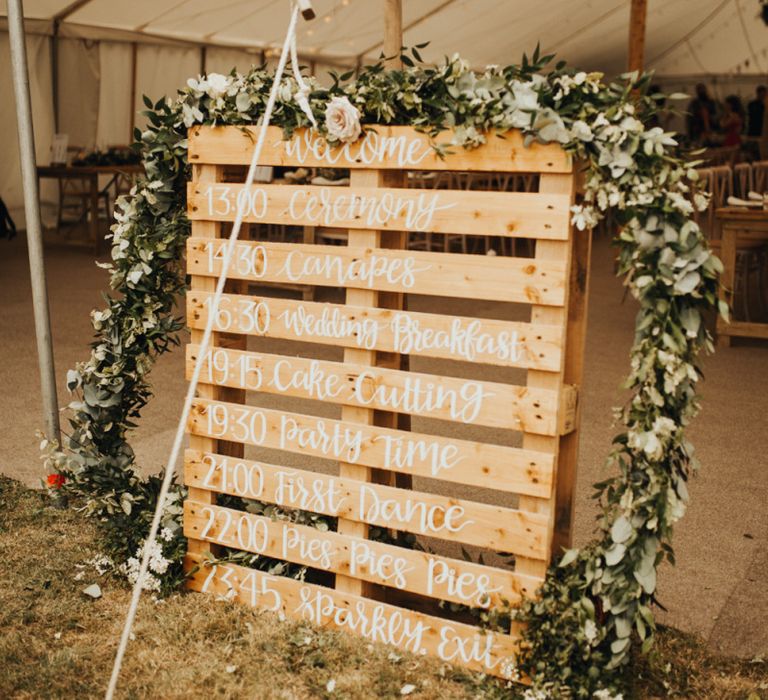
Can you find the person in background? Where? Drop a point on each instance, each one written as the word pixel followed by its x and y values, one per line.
pixel 701 116
pixel 756 112
pixel 732 122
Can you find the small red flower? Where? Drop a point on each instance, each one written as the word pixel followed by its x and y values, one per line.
pixel 56 481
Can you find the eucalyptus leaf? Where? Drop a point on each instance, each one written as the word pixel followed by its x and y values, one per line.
pixel 647 579
pixel 623 626
pixel 569 557
pixel 687 283
pixel 615 554
pixel 621 530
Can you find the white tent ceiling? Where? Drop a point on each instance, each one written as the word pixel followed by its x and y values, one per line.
pixel 684 37
pixel 111 52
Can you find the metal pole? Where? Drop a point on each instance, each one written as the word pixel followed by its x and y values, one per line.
pixel 55 73
pixel 32 212
pixel 637 20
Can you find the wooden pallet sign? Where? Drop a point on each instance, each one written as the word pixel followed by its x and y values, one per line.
pixel 489 464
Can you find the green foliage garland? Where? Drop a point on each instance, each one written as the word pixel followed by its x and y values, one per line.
pixel 579 632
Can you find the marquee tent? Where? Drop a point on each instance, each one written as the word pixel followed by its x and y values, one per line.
pixel 105 55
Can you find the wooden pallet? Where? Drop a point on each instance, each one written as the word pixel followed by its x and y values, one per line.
pixel 382 591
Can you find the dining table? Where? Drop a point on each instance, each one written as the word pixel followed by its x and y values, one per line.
pixel 742 228
pixel 89 175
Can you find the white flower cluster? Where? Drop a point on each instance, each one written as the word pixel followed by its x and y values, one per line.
pixel 101 563
pixel 565 83
pixel 210 95
pixel 607 695
pixel 158 564
pixel 508 669
pixel 215 87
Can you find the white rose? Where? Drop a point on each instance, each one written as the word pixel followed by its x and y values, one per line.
pixel 217 84
pixel 342 120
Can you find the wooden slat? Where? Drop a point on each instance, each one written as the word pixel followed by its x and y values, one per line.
pixel 417 512
pixel 205 229
pixel 477 340
pixel 356 414
pixel 383 147
pixel 547 251
pixel 377 622
pixel 419 572
pixel 465 401
pixel 458 461
pixel 520 280
pixel 573 373
pixel 508 214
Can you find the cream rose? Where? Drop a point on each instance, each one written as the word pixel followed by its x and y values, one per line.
pixel 342 120
pixel 218 84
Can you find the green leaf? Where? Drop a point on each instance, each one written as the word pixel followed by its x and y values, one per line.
pixel 569 557
pixel 647 579
pixel 688 283
pixel 243 101
pixel 615 554
pixel 621 530
pixel 623 626
pixel 691 320
pixel 619 645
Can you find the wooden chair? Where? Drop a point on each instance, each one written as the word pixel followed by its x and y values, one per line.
pixel 74 202
pixel 721 155
pixel 74 198
pixel 750 261
pixel 760 176
pixel 743 179
pixel 721 187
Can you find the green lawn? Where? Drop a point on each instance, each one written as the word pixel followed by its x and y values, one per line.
pixel 57 642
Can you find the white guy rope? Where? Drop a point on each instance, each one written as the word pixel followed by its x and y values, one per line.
pixel 302 95
pixel 171 463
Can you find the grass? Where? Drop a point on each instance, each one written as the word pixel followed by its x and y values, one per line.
pixel 57 642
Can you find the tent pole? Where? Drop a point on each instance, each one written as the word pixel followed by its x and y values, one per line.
pixel 32 212
pixel 637 17
pixel 393 33
pixel 55 73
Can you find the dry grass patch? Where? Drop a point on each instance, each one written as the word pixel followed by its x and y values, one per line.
pixel 56 642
